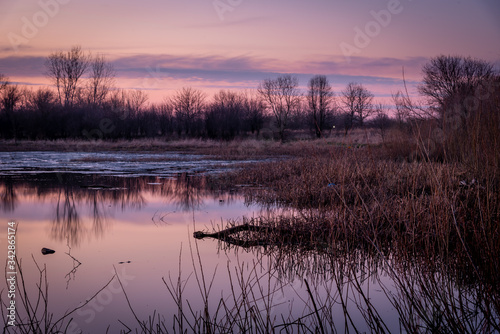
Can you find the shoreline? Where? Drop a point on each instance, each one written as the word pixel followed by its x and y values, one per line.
pixel 231 150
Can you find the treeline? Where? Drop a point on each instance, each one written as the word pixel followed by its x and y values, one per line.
pixel 83 103
pixel 127 115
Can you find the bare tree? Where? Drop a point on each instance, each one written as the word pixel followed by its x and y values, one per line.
pixel 188 104
pixel 403 106
pixel 357 103
pixel 446 77
pixel 165 114
pixel 254 109
pixel 320 99
pixel 101 80
pixel 136 101
pixel 42 100
pixel 224 115
pixel 459 91
pixel 117 101
pixel 132 103
pixel 43 105
pixel 65 69
pixel 10 97
pixel 3 81
pixel 282 97
pixel 450 83
pixel 382 121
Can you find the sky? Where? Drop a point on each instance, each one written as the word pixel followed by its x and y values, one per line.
pixel 160 46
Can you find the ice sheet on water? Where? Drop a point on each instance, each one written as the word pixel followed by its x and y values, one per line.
pixel 110 163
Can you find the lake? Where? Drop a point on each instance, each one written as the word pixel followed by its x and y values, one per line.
pixel 122 225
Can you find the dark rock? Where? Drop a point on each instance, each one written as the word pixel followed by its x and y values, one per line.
pixel 46 251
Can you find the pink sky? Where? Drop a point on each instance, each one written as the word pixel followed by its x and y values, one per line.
pixel 161 46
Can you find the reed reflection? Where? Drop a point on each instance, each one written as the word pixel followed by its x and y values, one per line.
pixel 432 287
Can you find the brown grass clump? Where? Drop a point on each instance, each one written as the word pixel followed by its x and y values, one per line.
pixel 433 226
pixel 431 208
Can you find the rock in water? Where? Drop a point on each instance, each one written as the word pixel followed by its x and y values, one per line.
pixel 46 251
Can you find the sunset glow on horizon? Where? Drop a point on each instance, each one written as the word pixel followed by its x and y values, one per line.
pixel 161 46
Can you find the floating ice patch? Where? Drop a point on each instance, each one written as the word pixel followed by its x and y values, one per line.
pixel 111 163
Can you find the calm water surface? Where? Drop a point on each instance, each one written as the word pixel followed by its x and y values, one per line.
pixel 134 216
pixel 139 227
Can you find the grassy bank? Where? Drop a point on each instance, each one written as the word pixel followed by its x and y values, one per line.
pixel 238 148
pixel 429 222
pixel 433 208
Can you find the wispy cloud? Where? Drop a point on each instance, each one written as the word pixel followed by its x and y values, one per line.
pixel 258 68
pixel 245 66
pixel 22 66
pixel 202 62
pixel 157 72
pixel 366 66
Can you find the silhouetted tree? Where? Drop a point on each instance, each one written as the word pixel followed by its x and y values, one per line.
pixel 320 99
pixel 188 105
pixel 224 115
pixel 357 104
pixel 281 96
pixel 100 81
pixel 65 69
pixel 453 86
pixel 116 101
pixel 43 107
pixel 445 77
pixel 254 110
pixel 158 119
pixel 3 81
pixel 10 97
pixel 136 102
pixel 463 94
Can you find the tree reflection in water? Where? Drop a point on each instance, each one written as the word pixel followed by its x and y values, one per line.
pixel 8 194
pixel 67 224
pixel 73 193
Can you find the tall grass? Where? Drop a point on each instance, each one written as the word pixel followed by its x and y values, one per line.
pixel 442 212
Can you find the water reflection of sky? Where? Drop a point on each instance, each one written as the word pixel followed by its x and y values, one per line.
pixel 148 221
pixel 148 226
